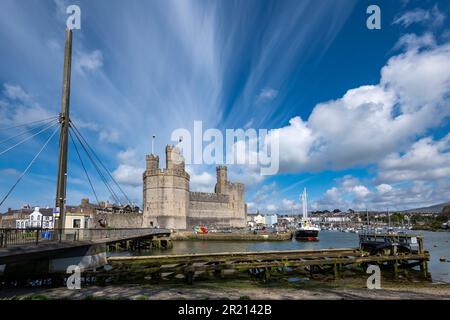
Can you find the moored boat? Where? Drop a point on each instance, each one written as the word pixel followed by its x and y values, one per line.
pixel 307 231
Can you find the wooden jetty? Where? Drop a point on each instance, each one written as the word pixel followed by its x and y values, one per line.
pixel 260 264
pixel 331 263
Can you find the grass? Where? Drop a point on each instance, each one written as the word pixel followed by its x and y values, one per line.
pixel 32 297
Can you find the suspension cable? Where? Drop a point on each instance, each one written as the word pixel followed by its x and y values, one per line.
pixel 111 190
pixel 28 123
pixel 28 138
pixel 28 167
pixel 84 168
pixel 27 131
pixel 101 163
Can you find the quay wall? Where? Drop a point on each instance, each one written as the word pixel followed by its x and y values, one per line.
pixel 238 236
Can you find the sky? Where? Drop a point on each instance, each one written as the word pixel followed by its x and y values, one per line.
pixel 362 115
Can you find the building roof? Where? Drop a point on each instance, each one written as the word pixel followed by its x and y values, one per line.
pixel 27 211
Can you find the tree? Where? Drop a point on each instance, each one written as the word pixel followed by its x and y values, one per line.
pixel 446 211
pixel 336 211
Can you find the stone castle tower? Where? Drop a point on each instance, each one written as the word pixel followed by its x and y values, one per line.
pixel 168 202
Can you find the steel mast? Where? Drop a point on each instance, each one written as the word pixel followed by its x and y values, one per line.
pixel 64 120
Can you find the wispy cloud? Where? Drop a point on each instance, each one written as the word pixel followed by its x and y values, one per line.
pixel 88 61
pixel 433 17
pixel 266 94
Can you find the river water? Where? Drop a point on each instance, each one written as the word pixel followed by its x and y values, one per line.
pixel 437 243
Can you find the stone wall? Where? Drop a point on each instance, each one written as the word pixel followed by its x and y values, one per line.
pixel 117 220
pixel 208 197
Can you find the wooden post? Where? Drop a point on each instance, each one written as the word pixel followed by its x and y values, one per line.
pixel 420 242
pixel 37 235
pixel 395 269
pixel 219 271
pixel 189 273
pixel 424 268
pixel 336 271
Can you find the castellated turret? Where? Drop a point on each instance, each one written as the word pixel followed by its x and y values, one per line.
pixel 166 192
pixel 152 163
pixel 168 202
pixel 222 179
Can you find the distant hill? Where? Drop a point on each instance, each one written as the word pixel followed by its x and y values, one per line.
pixel 437 208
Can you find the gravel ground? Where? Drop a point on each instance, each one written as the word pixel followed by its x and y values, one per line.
pixel 203 291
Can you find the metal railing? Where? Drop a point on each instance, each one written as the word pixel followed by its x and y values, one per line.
pixel 10 236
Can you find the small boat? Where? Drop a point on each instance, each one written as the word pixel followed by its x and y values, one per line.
pixel 307 231
pixel 200 230
pixel 384 241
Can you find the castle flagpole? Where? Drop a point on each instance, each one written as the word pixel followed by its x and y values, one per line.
pixel 153 144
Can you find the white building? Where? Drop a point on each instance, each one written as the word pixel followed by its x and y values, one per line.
pixel 259 219
pixel 35 220
pixel 337 219
pixel 270 220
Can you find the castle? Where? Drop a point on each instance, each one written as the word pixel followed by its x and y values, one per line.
pixel 169 203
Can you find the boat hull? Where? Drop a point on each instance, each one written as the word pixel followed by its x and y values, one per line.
pixel 307 235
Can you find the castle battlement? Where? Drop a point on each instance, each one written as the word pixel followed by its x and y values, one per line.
pixel 167 172
pixel 209 197
pixel 169 203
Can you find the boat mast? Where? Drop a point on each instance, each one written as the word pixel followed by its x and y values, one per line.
pixel 304 205
pixel 389 218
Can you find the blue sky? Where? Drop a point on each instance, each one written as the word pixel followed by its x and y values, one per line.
pixel 363 115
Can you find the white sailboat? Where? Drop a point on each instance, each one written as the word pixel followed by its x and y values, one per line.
pixel 307 231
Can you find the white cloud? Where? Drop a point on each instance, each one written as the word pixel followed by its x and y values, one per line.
pixel 128 156
pixel 372 121
pixel 88 61
pixel 383 196
pixel 203 181
pixel 20 107
pixel 105 134
pixel 421 81
pixel 248 175
pixel 412 41
pixel 361 191
pixel 431 17
pixel 384 188
pixel 128 175
pixel 289 204
pixel 427 159
pixel 129 172
pixel 15 92
pixel 109 135
pixel 267 94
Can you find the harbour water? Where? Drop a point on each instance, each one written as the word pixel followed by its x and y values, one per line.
pixel 437 243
